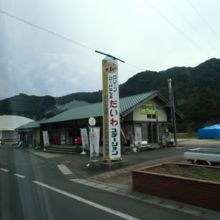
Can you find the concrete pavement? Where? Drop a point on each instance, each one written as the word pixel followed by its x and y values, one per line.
pixel 33 187
pixel 119 181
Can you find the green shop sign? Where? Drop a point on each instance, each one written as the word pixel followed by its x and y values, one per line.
pixel 149 109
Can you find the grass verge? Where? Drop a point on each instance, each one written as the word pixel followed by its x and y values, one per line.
pixel 201 173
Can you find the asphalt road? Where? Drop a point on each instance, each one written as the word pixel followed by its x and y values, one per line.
pixel 33 188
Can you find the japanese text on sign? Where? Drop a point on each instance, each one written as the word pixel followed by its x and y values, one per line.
pixel 111 114
pixel 114 117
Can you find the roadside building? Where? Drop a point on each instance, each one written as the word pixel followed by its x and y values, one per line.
pixel 145 119
pixel 30 134
pixel 145 115
pixel 8 124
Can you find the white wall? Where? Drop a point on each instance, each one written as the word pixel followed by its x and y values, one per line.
pixel 11 122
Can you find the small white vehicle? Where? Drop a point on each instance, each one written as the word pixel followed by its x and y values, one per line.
pixel 210 156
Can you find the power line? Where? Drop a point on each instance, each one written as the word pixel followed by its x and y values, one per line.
pixel 45 30
pixel 174 26
pixel 203 19
pixel 193 27
pixel 56 34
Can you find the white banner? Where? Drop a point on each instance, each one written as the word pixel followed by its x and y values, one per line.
pixel 111 116
pixel 62 136
pixel 94 137
pixel 84 138
pixel 137 135
pixel 46 139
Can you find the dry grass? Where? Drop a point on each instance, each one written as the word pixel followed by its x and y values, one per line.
pixel 202 173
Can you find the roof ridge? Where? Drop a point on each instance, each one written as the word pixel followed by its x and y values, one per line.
pixel 138 94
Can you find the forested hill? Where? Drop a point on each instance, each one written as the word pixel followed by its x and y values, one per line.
pixel 29 106
pixel 197 90
pixel 197 93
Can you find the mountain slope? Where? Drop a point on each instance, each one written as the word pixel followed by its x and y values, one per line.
pixel 197 90
pixel 28 106
pixel 197 93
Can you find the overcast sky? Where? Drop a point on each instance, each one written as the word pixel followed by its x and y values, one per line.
pixel 147 34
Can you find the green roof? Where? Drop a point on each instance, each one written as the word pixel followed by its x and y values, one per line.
pixel 30 125
pixel 72 104
pixel 127 104
pixel 87 111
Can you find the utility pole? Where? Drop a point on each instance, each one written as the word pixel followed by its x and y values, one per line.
pixel 172 109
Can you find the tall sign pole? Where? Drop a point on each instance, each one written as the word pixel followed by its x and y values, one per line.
pixel 111 112
pixel 173 111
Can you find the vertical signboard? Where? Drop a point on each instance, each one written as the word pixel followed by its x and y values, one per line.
pixel 94 137
pixel 84 138
pixel 111 114
pixel 46 139
pixel 138 135
pixel 62 136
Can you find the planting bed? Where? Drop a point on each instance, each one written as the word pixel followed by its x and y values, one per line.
pixel 194 184
pixel 183 170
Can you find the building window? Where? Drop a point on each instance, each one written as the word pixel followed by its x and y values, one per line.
pixel 151 116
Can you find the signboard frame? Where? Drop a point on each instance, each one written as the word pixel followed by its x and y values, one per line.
pixel 111 114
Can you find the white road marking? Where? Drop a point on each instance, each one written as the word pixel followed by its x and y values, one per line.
pixel 5 170
pixel 64 169
pixel 19 175
pixel 93 204
pixel 76 180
